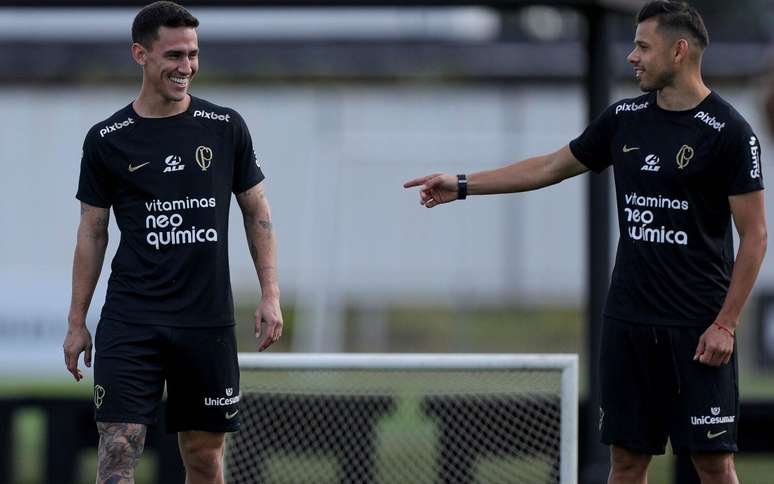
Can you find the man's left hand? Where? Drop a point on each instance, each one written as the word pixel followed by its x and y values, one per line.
pixel 269 314
pixel 715 346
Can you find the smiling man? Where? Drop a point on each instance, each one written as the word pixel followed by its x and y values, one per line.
pixel 685 163
pixel 167 164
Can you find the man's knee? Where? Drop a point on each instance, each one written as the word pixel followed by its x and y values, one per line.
pixel 714 464
pixel 120 447
pixel 627 465
pixel 202 452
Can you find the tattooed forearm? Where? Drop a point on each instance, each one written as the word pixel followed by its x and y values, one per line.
pixel 120 447
pixel 260 238
pixel 99 228
pixel 251 223
pixel 94 223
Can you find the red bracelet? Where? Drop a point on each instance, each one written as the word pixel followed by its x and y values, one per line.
pixel 730 333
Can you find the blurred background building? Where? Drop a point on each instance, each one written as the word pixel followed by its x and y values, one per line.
pixel 344 105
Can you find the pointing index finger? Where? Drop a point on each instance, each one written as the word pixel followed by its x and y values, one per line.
pixel 418 181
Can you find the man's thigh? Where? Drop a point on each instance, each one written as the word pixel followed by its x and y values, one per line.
pixel 128 372
pixel 203 380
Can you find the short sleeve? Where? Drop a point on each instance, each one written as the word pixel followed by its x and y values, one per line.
pixel 592 147
pixel 742 156
pixel 247 168
pixel 95 185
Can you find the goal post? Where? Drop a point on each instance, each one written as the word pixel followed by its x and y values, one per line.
pixel 404 418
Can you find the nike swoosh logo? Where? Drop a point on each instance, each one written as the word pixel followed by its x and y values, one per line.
pixel 229 416
pixel 711 436
pixel 627 149
pixel 132 169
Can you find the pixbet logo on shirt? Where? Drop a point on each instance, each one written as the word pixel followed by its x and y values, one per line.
pixel 623 107
pixel 212 115
pixel 710 121
pixel 115 127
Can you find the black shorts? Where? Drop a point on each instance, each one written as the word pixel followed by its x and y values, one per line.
pixel 651 390
pixel 199 365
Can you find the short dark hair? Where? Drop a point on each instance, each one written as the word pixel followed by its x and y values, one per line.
pixel 677 16
pixel 145 28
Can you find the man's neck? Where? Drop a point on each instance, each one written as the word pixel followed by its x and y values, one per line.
pixel 682 95
pixel 151 105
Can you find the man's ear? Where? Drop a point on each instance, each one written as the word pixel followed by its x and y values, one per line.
pixel 139 53
pixel 681 50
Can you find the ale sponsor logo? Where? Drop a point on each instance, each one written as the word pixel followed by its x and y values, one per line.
pixel 651 163
pixel 174 163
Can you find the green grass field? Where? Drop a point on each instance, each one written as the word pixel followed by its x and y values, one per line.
pixel 409 329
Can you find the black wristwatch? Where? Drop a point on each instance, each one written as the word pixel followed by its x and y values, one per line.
pixel 462 187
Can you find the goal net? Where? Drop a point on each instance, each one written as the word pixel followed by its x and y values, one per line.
pixel 405 418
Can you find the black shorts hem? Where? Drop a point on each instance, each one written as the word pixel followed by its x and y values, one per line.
pixel 687 450
pixel 125 419
pixel 635 446
pixel 672 323
pixel 173 429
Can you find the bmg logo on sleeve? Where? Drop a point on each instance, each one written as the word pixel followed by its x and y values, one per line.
pixel 755 155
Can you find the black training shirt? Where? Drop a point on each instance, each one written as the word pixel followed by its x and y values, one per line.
pixel 674 172
pixel 169 181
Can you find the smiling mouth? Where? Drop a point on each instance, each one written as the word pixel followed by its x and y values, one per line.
pixel 180 81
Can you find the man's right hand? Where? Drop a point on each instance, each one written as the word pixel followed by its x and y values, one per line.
pixel 436 189
pixel 77 341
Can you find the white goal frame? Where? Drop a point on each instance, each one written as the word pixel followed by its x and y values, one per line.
pixel 567 363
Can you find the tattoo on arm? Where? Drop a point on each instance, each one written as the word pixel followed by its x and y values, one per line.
pixel 266 224
pixel 99 228
pixel 120 448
